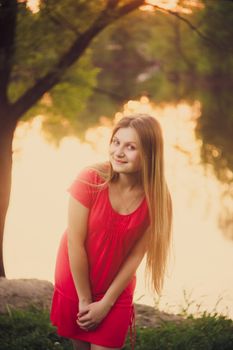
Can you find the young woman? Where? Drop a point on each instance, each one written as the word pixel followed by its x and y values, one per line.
pixel 118 212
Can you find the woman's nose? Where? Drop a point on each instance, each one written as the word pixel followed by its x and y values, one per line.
pixel 119 152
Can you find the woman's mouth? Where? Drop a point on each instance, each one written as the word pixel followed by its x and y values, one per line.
pixel 119 161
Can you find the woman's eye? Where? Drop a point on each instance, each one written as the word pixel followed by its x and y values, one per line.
pixel 115 142
pixel 130 147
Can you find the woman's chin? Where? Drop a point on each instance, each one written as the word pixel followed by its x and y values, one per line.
pixel 118 165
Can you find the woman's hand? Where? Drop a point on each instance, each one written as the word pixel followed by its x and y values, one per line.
pixel 91 315
pixel 83 306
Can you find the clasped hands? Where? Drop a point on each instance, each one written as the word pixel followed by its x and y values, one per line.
pixel 91 314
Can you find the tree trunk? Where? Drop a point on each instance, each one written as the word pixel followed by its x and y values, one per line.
pixel 7 128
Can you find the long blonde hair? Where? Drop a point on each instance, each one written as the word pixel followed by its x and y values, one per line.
pixel 156 191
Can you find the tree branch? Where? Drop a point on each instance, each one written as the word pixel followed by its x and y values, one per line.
pixel 191 26
pixel 178 42
pixel 33 94
pixel 131 6
pixel 62 22
pixel 111 4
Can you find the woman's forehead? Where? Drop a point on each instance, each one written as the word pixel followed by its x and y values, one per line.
pixel 126 134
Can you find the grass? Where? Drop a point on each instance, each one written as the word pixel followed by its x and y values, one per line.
pixel 204 333
pixel 31 330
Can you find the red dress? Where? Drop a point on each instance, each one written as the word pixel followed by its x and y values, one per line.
pixel 110 238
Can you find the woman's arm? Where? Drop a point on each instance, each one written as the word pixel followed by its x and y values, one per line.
pixel 126 271
pixel 77 230
pixel 95 312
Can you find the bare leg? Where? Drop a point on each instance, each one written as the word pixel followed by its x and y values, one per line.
pixel 80 345
pixel 99 347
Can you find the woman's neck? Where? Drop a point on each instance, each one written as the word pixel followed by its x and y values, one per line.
pixel 129 182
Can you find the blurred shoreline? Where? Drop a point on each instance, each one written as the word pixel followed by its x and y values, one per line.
pixel 23 293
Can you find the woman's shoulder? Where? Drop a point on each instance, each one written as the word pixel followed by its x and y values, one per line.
pixel 95 174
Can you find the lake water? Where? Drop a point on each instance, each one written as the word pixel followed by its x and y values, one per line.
pixel 200 270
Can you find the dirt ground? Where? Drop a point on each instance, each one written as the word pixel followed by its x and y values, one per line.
pixel 20 293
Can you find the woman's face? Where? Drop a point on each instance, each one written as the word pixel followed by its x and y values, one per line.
pixel 124 151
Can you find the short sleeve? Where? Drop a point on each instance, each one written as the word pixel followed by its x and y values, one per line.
pixel 82 188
